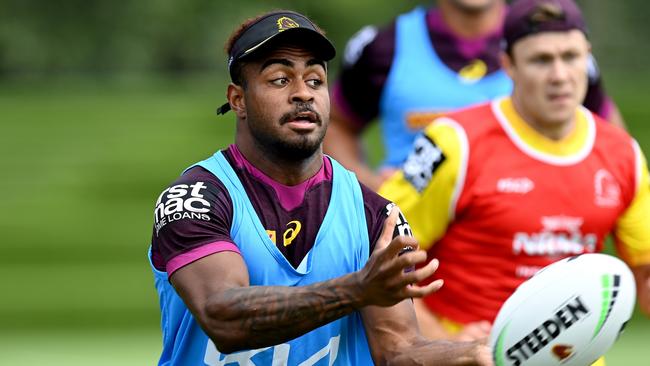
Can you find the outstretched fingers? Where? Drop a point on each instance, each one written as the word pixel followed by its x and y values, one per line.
pixel 404 245
pixel 387 232
pixel 414 290
pixel 390 275
pixel 422 291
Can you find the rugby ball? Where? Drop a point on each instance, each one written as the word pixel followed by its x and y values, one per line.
pixel 569 313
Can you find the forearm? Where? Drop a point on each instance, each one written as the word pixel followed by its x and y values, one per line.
pixel 442 352
pixel 260 316
pixel 395 339
pixel 429 324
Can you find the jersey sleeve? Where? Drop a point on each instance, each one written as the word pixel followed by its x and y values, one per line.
pixel 633 227
pixel 366 63
pixel 192 219
pixel 426 186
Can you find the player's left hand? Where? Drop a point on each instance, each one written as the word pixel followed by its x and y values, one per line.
pixel 388 276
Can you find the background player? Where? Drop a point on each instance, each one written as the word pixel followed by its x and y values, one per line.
pixel 500 190
pixel 269 252
pixel 426 63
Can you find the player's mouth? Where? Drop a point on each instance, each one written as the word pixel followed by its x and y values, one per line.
pixel 560 100
pixel 302 121
pixel 559 97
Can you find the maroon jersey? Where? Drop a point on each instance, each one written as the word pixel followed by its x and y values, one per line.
pixel 193 216
pixel 369 56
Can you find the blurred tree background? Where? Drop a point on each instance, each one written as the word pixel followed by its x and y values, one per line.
pixel 103 103
pixel 103 37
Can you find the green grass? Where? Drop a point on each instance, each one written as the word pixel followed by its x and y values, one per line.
pixel 632 347
pixel 124 347
pixel 83 162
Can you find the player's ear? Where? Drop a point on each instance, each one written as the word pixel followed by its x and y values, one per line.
pixel 235 95
pixel 507 63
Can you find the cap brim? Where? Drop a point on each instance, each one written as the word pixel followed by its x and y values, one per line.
pixel 305 37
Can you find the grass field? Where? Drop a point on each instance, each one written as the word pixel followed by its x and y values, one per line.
pixel 83 163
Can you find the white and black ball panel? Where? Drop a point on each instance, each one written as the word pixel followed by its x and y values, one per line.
pixel 569 313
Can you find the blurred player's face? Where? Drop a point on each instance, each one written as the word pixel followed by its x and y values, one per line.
pixel 473 5
pixel 286 103
pixel 549 71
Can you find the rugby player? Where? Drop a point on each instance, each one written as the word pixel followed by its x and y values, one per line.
pixel 269 252
pixel 500 190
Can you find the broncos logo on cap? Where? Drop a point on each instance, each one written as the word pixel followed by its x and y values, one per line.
pixel 285 23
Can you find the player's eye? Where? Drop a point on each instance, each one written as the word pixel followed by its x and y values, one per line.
pixel 570 56
pixel 280 81
pixel 314 83
pixel 541 60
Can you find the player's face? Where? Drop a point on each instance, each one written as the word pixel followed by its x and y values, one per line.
pixel 473 5
pixel 287 102
pixel 549 71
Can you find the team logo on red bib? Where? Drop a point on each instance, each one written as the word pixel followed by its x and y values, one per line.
pixel 606 189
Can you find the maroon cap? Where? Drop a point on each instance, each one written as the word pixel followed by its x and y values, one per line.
pixel 526 17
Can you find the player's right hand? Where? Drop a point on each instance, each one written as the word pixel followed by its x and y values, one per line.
pixel 388 277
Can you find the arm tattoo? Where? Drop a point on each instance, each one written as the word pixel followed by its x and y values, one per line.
pixel 267 315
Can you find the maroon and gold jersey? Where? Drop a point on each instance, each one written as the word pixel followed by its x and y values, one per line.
pixel 496 201
pixel 194 215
